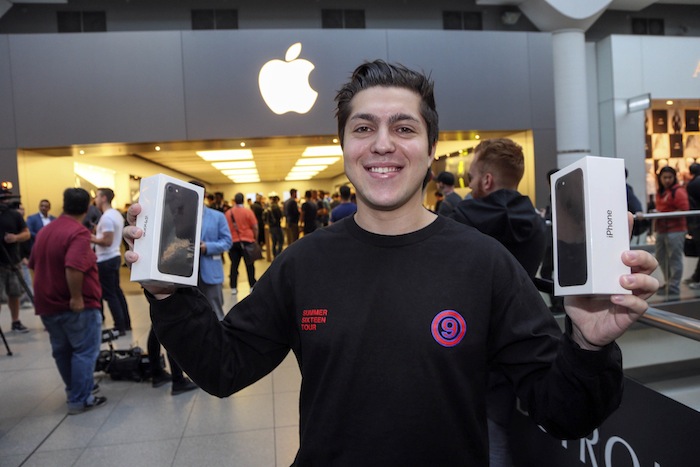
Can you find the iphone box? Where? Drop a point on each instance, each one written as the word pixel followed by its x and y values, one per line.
pixel 590 227
pixel 171 220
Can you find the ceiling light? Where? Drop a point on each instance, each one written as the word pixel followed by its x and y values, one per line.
pixel 245 178
pixel 315 151
pixel 309 168
pixel 669 102
pixel 242 145
pixel 226 155
pixel 157 148
pixel 229 172
pixel 318 160
pixel 298 176
pixel 234 165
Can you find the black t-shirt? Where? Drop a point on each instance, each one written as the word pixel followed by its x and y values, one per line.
pixel 11 221
pixel 309 210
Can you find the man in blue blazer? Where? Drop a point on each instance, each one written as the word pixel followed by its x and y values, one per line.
pixel 35 222
pixel 215 240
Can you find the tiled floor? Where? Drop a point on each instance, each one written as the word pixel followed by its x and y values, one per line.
pixel 144 426
pixel 139 425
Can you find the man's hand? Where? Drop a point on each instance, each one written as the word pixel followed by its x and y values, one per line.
pixel 599 321
pixel 76 304
pixel 131 232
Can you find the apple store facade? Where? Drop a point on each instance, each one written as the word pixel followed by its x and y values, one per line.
pixel 67 90
pixel 64 91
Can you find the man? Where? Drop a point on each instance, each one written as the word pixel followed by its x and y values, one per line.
pixel 13 231
pixel 243 226
pixel 291 215
pixel 258 209
pixel 445 182
pixel 273 219
pixel 498 210
pixel 693 190
pixel 107 239
pixel 345 208
pixel 215 239
pixel 394 366
pixel 35 222
pixel 69 299
pixel 309 212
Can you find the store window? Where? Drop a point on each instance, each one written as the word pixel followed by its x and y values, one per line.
pixel 81 21
pixel 462 20
pixel 343 19
pixel 650 26
pixel 214 19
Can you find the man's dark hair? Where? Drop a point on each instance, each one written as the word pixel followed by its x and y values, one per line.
pixel 238 198
pixel 344 192
pixel 108 192
pixel 694 169
pixel 75 201
pixel 380 73
pixel 307 194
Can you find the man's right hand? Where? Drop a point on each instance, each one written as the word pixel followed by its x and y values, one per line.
pixel 131 232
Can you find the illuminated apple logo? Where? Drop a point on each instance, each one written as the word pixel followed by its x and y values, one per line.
pixel 284 85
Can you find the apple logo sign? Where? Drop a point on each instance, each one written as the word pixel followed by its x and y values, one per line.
pixel 284 85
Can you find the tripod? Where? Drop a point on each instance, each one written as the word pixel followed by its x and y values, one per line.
pixel 16 270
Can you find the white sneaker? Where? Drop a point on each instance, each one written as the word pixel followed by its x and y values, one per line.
pixel 234 291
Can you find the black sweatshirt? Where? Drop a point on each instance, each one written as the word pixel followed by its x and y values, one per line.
pixel 394 356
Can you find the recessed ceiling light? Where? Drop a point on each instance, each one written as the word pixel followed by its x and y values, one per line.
pixel 298 176
pixel 318 160
pixel 245 178
pixel 242 144
pixel 316 151
pixel 226 155
pixel 229 172
pixel 309 168
pixel 234 165
pixel 669 102
pixel 157 148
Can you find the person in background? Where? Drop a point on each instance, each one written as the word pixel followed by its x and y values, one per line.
pixel 258 209
pixel 309 213
pixel 498 210
pixel 273 219
pixel 291 215
pixel 25 251
pixel 215 239
pixel 693 189
pixel 37 221
pixel 68 299
pixel 244 229
pixel 345 208
pixel 13 231
pixel 395 362
pixel 670 233
pixel 445 182
pixel 439 198
pixel 107 239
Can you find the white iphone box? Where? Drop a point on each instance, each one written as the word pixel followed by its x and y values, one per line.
pixel 171 220
pixel 590 227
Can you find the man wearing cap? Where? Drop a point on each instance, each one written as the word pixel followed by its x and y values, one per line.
pixel 13 231
pixel 445 182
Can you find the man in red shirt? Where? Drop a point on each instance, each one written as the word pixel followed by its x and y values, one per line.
pixel 67 297
pixel 244 230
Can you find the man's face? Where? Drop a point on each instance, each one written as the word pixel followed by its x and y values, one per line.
pixel 667 180
pixel 44 208
pixel 386 152
pixel 476 176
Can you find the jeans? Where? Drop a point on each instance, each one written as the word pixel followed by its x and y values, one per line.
pixel 215 296
pixel 112 292
pixel 669 254
pixel 236 253
pixel 277 240
pixel 75 344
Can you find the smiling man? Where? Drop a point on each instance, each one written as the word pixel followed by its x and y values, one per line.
pixel 394 365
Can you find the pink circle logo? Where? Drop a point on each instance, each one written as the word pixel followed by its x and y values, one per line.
pixel 448 328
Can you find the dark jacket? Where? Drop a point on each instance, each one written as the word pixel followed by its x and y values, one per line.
pixel 510 218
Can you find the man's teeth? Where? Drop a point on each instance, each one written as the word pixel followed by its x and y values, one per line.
pixel 383 170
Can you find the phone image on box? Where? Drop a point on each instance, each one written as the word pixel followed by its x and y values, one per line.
pixel 178 230
pixel 572 263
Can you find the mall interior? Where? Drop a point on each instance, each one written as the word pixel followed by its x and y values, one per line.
pixel 240 96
